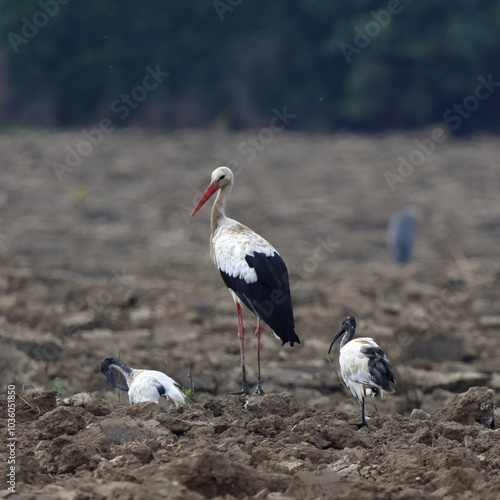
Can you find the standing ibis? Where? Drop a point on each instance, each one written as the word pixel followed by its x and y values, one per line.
pixel 363 365
pixel 401 234
pixel 144 385
pixel 251 268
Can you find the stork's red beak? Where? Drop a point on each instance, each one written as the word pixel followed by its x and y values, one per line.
pixel 205 197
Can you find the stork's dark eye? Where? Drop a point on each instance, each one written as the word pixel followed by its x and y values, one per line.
pixel 222 177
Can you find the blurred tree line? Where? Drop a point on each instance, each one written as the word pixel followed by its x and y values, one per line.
pixel 363 65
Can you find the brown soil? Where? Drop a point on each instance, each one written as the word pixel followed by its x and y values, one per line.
pixel 105 262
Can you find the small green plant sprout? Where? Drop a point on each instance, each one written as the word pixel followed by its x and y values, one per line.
pixel 57 387
pixel 190 395
pixel 190 392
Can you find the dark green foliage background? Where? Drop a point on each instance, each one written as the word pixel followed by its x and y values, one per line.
pixel 261 55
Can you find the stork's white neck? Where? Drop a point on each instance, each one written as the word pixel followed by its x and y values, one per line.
pixel 218 214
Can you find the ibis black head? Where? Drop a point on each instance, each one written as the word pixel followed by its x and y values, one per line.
pixel 107 364
pixel 349 328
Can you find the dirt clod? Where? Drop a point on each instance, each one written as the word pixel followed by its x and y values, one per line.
pixel 60 421
pixel 475 405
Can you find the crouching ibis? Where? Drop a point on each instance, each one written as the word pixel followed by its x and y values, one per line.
pixel 251 268
pixel 363 366
pixel 144 385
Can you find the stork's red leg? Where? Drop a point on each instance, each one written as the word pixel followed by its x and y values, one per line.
pixel 241 336
pixel 259 389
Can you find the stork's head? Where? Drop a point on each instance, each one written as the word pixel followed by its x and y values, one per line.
pixel 348 328
pixel 221 177
pixel 107 364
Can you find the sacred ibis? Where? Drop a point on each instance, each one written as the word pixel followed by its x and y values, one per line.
pixel 144 385
pixel 363 366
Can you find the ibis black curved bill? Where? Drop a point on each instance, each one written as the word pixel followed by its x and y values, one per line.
pixel 348 327
pixel 105 366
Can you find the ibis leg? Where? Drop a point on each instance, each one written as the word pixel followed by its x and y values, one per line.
pixel 363 423
pixel 241 336
pixel 259 389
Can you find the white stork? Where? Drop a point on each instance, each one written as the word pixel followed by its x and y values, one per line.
pixel 251 268
pixel 144 385
pixel 363 365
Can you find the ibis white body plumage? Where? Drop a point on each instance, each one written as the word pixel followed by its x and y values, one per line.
pixel 144 385
pixel 364 366
pixel 151 385
pixel 251 268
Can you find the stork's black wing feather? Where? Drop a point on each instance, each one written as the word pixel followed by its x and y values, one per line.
pixel 269 297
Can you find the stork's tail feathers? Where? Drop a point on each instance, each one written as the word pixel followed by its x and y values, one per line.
pixel 292 338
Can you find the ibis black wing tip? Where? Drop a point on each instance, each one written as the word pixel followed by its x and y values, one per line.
pixel 160 388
